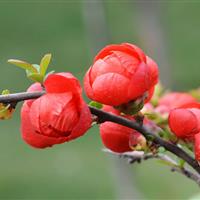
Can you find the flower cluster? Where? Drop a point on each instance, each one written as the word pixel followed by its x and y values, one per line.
pixel 182 112
pixel 123 81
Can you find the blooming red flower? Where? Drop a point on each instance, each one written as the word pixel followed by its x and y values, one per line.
pixel 120 74
pixel 185 122
pixel 58 116
pixel 119 138
pixel 174 100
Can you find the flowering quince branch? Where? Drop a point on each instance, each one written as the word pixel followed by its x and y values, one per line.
pixel 133 111
pixel 105 116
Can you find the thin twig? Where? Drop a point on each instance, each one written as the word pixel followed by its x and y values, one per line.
pixel 104 116
pixel 139 156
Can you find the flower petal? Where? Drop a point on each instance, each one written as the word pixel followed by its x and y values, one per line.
pixel 62 82
pixel 88 85
pixel 177 100
pixel 110 89
pixel 47 111
pixel 109 49
pixel 140 83
pixel 115 137
pixel 36 87
pixel 84 123
pixel 33 138
pixel 154 73
pixel 110 64
pixel 139 51
pixel 183 123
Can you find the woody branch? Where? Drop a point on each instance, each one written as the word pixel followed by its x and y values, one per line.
pixel 105 116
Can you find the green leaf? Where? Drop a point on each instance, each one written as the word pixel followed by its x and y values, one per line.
pixel 44 64
pixel 35 76
pixel 37 67
pixel 96 104
pixel 5 92
pixel 22 64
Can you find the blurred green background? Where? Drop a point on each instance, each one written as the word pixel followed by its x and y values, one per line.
pixel 74 31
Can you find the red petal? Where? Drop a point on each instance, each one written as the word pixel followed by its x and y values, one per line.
pixel 150 94
pixel 33 138
pixel 177 100
pixel 117 47
pixel 115 137
pixel 192 105
pixel 153 70
pixel 140 83
pixel 129 63
pixel 87 85
pixel 197 114
pixel 110 89
pixel 110 64
pixel 62 82
pixel 48 113
pixel 139 51
pixel 183 123
pixel 36 87
pixel 84 123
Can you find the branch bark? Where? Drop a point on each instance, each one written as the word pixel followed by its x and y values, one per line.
pixel 104 116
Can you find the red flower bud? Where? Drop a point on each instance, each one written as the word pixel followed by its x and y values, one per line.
pixel 119 138
pixel 175 100
pixel 58 116
pixel 120 74
pixel 185 122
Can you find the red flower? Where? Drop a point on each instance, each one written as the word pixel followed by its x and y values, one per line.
pixel 120 74
pixel 185 122
pixel 119 138
pixel 58 116
pixel 174 100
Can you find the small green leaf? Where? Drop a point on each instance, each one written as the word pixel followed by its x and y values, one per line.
pixel 45 63
pixel 22 64
pixel 35 76
pixel 96 104
pixel 5 92
pixel 37 67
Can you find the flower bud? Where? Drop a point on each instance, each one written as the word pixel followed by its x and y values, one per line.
pixel 119 138
pixel 121 74
pixel 185 122
pixel 58 116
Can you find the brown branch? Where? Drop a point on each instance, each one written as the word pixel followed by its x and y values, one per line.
pixel 104 116
pixel 139 156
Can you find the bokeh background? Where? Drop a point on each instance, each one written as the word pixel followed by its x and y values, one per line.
pixel 74 31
